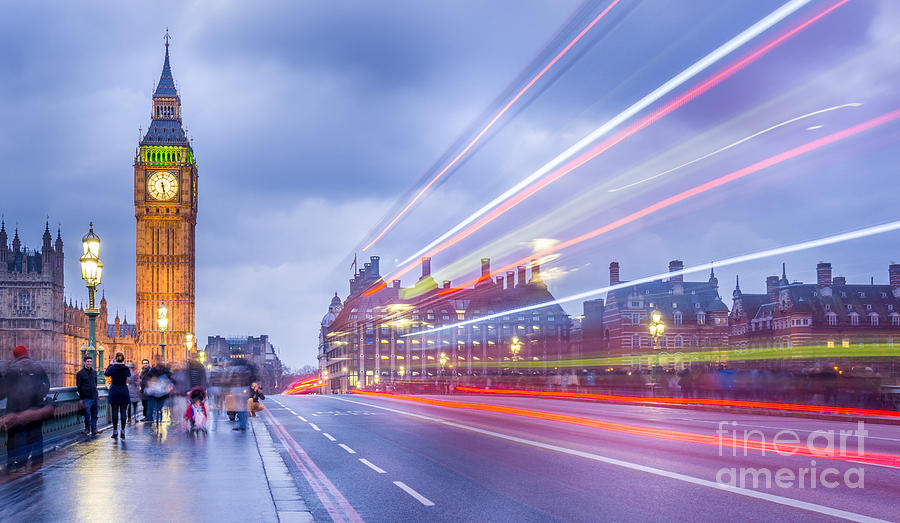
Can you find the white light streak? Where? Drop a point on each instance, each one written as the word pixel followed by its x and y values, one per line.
pixel 742 140
pixel 811 244
pixel 721 52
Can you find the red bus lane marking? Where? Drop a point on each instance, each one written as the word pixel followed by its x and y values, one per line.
pixel 337 509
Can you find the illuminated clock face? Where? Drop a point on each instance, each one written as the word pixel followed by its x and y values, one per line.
pixel 162 185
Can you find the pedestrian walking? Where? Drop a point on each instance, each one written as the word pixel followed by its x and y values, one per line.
pixel 159 386
pixel 86 385
pixel 134 394
pixel 118 398
pixel 25 389
pixel 144 379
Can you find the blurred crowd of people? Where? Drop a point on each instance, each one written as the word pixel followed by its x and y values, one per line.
pixel 154 394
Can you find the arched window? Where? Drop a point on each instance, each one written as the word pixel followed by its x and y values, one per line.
pixel 831 317
pixel 676 318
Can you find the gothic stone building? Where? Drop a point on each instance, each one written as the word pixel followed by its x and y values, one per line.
pixel 365 341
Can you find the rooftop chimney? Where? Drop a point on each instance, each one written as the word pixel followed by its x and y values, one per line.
pixel 426 267
pixel 536 272
pixel 510 279
pixel 499 281
pixel 823 274
pixel 677 281
pixel 839 280
pixel 396 284
pixel 446 284
pixel 894 278
pixel 613 273
pixel 485 267
pixel 771 284
pixel 520 280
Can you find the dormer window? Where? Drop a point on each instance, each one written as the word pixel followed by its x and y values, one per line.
pixel 827 306
pixel 873 319
pixel 890 306
pixel 701 318
pixel 868 306
pixel 843 294
pixel 884 295
pixel 849 307
pixel 854 319
pixel 895 319
pixel 832 319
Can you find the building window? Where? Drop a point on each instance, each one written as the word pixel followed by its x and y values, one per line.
pixel 890 306
pixel 676 318
pixel 845 343
pixel 634 304
pixel 832 319
pixel 854 319
pixel 827 306
pixel 849 307
pixel 679 342
pixel 701 319
pixel 895 319
pixel 635 341
pixel 868 306
pixel 873 320
pixel 830 343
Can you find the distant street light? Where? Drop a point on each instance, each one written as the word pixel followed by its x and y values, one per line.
pixel 163 322
pixel 443 359
pixel 91 273
pixel 657 328
pixel 189 343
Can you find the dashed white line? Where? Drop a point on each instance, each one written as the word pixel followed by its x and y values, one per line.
pixel 345 447
pixel 301 418
pixel 313 425
pixel 422 499
pixel 292 412
pixel 372 466
pixel 781 500
pixel 329 436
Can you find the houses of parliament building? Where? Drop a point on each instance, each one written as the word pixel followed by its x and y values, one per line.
pixel 33 308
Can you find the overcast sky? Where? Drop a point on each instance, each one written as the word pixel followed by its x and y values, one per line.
pixel 312 120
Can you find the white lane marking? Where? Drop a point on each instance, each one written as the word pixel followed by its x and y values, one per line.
pixel 422 499
pixel 329 436
pixel 345 447
pixel 292 412
pixel 301 418
pixel 796 503
pixel 313 425
pixel 372 466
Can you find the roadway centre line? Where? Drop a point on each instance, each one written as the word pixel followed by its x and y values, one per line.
pixel 345 447
pixel 372 466
pixel 292 412
pixel 301 418
pixel 329 436
pixel 313 425
pixel 422 499
pixel 804 505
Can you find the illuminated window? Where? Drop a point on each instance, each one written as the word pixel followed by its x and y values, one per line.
pixel 845 343
pixel 830 343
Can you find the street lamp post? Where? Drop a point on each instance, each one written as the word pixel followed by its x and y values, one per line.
pixel 163 322
pixel 657 328
pixel 515 346
pixel 189 344
pixel 91 273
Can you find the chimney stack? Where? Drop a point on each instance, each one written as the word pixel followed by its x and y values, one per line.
pixel 535 272
pixel 823 274
pixel 396 284
pixel 771 284
pixel 894 278
pixel 485 267
pixel 614 273
pixel 839 280
pixel 426 267
pixel 677 281
pixel 520 281
pixel 446 284
pixel 510 279
pixel 499 280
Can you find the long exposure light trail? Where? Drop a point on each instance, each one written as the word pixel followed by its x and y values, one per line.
pixel 763 446
pixel 739 142
pixel 682 77
pixel 778 251
pixel 700 189
pixel 821 409
pixel 491 123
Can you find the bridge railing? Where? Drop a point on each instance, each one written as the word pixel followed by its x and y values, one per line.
pixel 67 416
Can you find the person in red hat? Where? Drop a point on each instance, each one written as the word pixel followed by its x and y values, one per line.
pixel 26 385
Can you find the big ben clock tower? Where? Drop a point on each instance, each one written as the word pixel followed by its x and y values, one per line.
pixel 165 207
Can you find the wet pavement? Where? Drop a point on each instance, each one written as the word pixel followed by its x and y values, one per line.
pixel 154 475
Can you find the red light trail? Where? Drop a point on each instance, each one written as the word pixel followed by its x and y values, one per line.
pixel 890 460
pixel 610 142
pixel 490 124
pixel 702 188
pixel 821 409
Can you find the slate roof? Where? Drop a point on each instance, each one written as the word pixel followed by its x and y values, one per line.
pixel 861 299
pixel 166 86
pixel 697 296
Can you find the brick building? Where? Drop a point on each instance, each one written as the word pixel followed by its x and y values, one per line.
pixel 696 319
pixel 829 314
pixel 365 343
